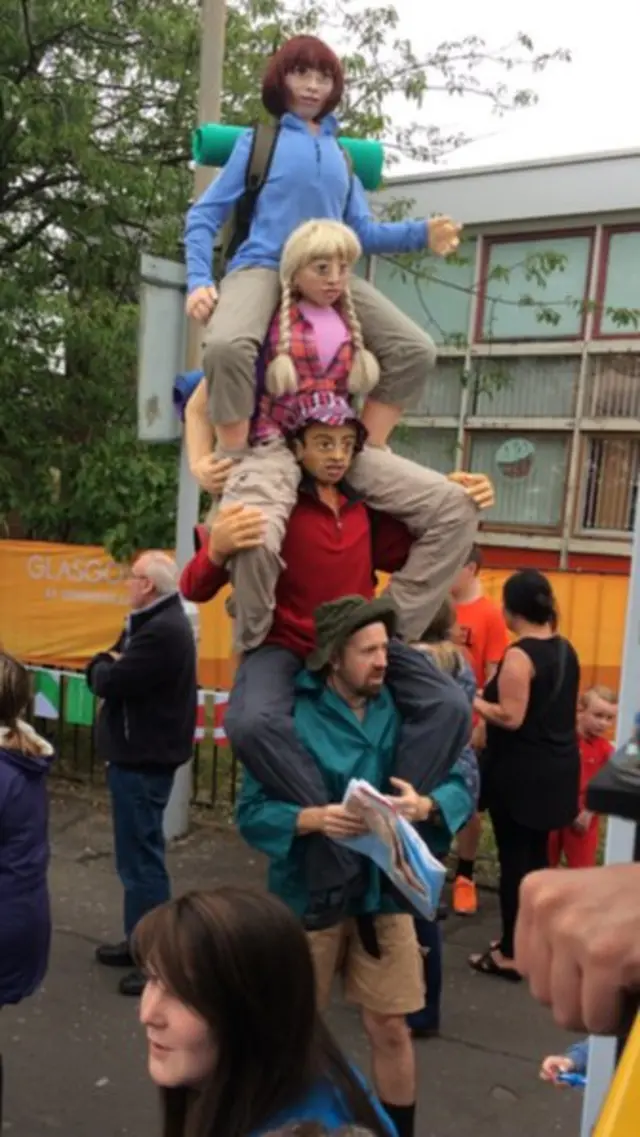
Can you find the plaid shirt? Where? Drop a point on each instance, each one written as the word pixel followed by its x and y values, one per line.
pixel 274 417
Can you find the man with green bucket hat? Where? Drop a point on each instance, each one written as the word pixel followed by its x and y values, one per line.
pixel 334 545
pixel 346 718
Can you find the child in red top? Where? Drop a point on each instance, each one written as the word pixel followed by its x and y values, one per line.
pixel 579 842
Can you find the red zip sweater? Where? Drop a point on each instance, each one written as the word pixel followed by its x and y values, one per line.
pixel 326 556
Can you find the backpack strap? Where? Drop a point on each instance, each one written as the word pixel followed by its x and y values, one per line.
pixel 263 145
pixel 265 137
pixel 349 164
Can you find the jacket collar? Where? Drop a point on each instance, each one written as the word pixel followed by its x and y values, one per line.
pixel 139 618
pixel 328 124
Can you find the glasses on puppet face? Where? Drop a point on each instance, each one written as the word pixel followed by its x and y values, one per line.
pixel 337 441
pixel 323 281
pixel 308 90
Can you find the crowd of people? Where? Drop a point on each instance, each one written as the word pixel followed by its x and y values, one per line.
pixel 448 704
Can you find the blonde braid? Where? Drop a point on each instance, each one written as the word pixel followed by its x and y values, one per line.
pixel 281 377
pixel 365 369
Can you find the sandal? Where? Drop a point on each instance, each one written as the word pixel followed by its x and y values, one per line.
pixel 486 965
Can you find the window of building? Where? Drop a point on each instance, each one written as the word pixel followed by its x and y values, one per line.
pixel 619 285
pixel 434 293
pixel 442 394
pixel 613 386
pixel 529 473
pixel 427 445
pixel 609 485
pixel 525 387
pixel 534 289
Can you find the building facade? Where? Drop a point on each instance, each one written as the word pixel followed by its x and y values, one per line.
pixel 538 330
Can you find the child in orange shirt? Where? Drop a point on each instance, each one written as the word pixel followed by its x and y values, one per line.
pixel 482 630
pixel 579 842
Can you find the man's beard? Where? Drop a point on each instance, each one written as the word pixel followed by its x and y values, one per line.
pixel 372 687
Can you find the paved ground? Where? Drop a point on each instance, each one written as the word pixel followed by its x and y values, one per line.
pixel 74 1057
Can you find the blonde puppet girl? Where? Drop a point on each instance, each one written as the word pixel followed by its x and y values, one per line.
pixel 315 344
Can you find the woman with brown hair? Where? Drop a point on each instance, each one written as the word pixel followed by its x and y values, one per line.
pixel 235 1040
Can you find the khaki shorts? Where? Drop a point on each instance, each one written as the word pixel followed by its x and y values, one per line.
pixel 391 985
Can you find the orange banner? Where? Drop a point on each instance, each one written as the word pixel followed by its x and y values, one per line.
pixel 60 604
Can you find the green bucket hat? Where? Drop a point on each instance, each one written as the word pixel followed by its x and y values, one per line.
pixel 337 620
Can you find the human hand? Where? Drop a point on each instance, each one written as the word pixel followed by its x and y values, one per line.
pixel 443 235
pixel 554 1065
pixel 115 655
pixel 200 303
pixel 582 821
pixel 479 705
pixel 235 527
pixel 578 963
pixel 479 487
pixel 479 736
pixel 339 822
pixel 408 802
pixel 211 473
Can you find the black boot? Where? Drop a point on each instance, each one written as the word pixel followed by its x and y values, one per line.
pixel 132 984
pixel 114 955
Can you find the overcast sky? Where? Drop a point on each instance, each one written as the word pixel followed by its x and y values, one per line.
pixel 590 104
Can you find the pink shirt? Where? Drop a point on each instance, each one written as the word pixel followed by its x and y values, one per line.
pixel 329 329
pixel 322 354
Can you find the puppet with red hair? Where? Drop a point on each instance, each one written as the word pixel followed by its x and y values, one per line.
pixel 309 178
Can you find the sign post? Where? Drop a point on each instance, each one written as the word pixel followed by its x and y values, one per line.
pixel 621 835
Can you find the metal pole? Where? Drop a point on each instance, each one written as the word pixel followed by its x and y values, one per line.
pixel 213 15
pixel 620 834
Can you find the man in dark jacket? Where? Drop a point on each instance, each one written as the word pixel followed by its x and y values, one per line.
pixel 145 731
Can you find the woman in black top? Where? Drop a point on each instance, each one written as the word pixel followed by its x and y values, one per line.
pixel 531 768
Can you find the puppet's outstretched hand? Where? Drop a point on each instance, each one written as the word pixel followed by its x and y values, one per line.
pixel 200 303
pixel 443 235
pixel 478 486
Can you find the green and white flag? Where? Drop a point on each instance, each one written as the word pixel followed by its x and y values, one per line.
pixel 79 702
pixel 46 704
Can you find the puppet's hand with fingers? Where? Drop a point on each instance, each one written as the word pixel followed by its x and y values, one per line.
pixel 200 303
pixel 211 473
pixel 234 528
pixel 478 486
pixel 443 235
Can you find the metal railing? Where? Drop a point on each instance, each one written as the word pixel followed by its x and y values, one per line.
pixel 214 771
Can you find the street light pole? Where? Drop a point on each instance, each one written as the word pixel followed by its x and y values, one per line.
pixel 621 835
pixel 213 20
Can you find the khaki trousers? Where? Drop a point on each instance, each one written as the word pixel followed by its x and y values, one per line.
pixel 440 515
pixel 235 333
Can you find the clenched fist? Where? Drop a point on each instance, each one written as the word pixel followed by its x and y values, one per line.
pixel 578 943
pixel 443 235
pixel 201 303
